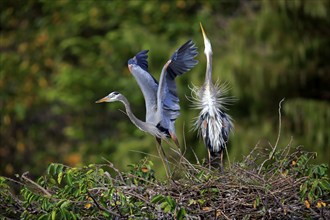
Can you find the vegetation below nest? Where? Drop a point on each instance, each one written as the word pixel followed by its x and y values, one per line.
pixel 278 184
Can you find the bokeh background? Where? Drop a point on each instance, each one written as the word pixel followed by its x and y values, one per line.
pixel 59 56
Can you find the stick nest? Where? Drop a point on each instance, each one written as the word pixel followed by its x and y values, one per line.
pixel 285 186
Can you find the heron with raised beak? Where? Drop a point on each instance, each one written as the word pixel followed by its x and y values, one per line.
pixel 213 124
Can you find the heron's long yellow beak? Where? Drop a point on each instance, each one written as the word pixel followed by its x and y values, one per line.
pixel 207 44
pixel 104 99
pixel 203 32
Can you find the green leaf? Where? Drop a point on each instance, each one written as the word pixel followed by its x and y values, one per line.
pixel 214 190
pixel 257 201
pixel 68 177
pixel 310 196
pixel 165 206
pixel 49 169
pixel 59 177
pixel 89 172
pixel 200 174
pixel 67 214
pixel 100 172
pixel 325 185
pixel 65 204
pixel 201 201
pixel 181 214
pixel 171 202
pixel 43 217
pixel 303 189
pixel 53 216
pixel 31 197
pixel 157 198
pixel 73 216
pixel 315 183
pixel 191 202
pixel 45 204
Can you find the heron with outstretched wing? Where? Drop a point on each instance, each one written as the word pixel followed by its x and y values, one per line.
pixel 161 99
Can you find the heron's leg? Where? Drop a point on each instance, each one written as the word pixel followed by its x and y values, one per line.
pixel 175 139
pixel 209 158
pixel 221 161
pixel 166 165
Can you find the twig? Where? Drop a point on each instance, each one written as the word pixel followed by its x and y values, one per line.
pixel 101 207
pixel 137 196
pixel 278 136
pixel 197 160
pixel 184 140
pixel 142 179
pixel 115 169
pixel 226 217
pixel 163 158
pixel 36 184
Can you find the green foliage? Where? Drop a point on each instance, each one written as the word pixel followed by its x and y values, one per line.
pixel 64 192
pixel 142 172
pixel 317 182
pixel 11 208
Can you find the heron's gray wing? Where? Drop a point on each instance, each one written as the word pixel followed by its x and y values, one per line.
pixel 181 61
pixel 227 126
pixel 138 66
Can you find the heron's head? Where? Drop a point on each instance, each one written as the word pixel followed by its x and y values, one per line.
pixel 112 97
pixel 207 43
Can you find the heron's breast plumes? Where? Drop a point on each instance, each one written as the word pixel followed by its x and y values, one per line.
pixel 213 123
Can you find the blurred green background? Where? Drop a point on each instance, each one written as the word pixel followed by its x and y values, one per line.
pixel 59 56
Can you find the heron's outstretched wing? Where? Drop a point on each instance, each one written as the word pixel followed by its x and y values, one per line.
pixel 167 100
pixel 138 66
pixel 182 60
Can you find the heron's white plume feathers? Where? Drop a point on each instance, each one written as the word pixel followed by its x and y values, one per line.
pixel 210 96
pixel 212 123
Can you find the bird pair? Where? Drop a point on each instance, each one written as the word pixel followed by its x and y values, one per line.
pixel 162 102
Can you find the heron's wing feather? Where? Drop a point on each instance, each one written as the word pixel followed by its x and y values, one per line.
pixel 227 126
pixel 140 59
pixel 167 100
pixel 147 83
pixel 182 60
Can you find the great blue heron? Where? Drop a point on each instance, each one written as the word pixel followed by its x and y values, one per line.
pixel 161 100
pixel 213 124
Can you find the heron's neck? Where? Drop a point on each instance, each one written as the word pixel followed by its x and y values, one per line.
pixel 208 76
pixel 137 122
pixel 161 93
